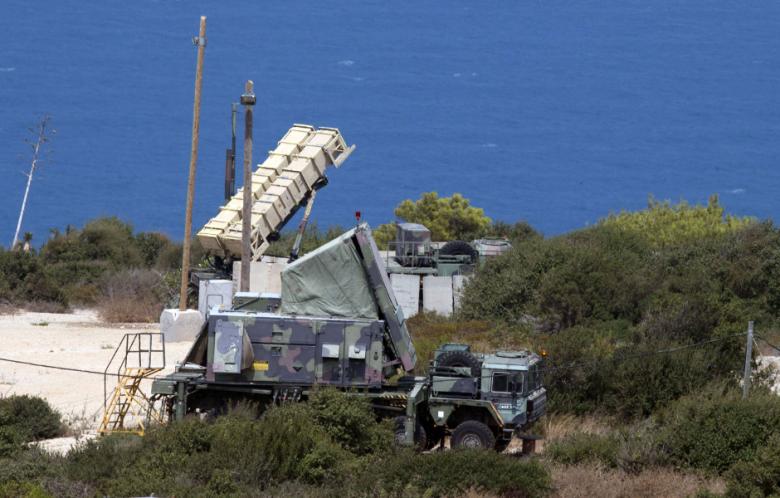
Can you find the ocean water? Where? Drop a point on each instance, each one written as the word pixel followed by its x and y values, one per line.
pixel 554 112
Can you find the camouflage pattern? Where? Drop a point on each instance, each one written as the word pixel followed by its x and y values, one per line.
pixel 400 340
pixel 296 350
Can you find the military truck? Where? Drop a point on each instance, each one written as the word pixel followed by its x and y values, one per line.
pixel 338 324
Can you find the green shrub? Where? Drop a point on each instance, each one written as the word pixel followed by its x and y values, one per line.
pixel 14 489
pixel 663 223
pixel 349 420
pixel 758 476
pixel 714 429
pixel 28 418
pixel 450 473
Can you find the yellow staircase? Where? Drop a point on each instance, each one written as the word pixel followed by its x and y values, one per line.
pixel 127 408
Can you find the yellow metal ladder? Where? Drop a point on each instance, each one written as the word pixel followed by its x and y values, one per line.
pixel 138 357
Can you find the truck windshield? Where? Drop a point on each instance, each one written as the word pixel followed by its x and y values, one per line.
pixel 508 382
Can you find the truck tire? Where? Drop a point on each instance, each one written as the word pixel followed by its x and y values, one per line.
pixel 420 435
pixel 473 434
pixel 460 359
pixel 459 248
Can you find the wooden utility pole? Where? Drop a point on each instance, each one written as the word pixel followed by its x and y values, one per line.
pixel 41 139
pixel 748 359
pixel 200 42
pixel 248 101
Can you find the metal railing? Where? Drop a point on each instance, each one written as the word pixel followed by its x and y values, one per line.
pixel 141 351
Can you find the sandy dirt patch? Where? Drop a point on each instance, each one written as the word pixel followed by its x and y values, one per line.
pixel 76 340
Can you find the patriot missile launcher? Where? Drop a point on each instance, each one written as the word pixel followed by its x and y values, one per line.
pixel 338 324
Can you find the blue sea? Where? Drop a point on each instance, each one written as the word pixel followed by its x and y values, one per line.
pixel 554 112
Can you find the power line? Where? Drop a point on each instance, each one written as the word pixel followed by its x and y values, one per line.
pixel 67 369
pixel 776 348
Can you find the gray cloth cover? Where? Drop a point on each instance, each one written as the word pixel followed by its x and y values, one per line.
pixel 329 281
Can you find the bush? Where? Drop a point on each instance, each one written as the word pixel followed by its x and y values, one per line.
pixel 715 429
pixel 450 473
pixel 29 418
pixel 132 296
pixel 350 421
pixel 758 476
pixel 634 284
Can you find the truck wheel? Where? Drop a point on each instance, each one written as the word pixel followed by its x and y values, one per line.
pixel 472 434
pixel 420 435
pixel 460 359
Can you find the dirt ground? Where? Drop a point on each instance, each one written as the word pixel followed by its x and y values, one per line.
pixel 76 340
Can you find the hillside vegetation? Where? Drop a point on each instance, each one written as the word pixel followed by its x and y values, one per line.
pixel 641 318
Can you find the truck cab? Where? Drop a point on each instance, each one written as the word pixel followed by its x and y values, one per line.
pixel 510 380
pixel 479 400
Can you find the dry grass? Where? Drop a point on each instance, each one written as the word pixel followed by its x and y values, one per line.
pixel 430 331
pixel 45 307
pixel 556 427
pixel 581 481
pixel 131 296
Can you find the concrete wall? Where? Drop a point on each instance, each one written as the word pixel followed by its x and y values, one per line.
pixel 407 291
pixel 437 295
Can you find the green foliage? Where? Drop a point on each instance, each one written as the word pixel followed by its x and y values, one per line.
pixel 757 476
pixel 598 296
pixel 715 429
pixel 14 489
pixel 26 418
pixel 451 473
pixel 330 447
pixel 349 420
pixel 383 235
pixel 448 218
pixel 71 266
pixel 663 223
pixel 516 233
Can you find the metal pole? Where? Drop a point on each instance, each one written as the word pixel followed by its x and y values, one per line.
pixel 200 42
pixel 248 101
pixel 36 151
pixel 748 358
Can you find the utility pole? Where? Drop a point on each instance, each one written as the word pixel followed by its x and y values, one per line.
pixel 36 158
pixel 248 101
pixel 230 156
pixel 199 42
pixel 748 358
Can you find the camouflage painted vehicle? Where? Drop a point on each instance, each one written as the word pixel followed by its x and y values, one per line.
pixel 338 324
pixel 480 400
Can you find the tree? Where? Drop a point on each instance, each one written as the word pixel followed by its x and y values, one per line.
pixel 448 218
